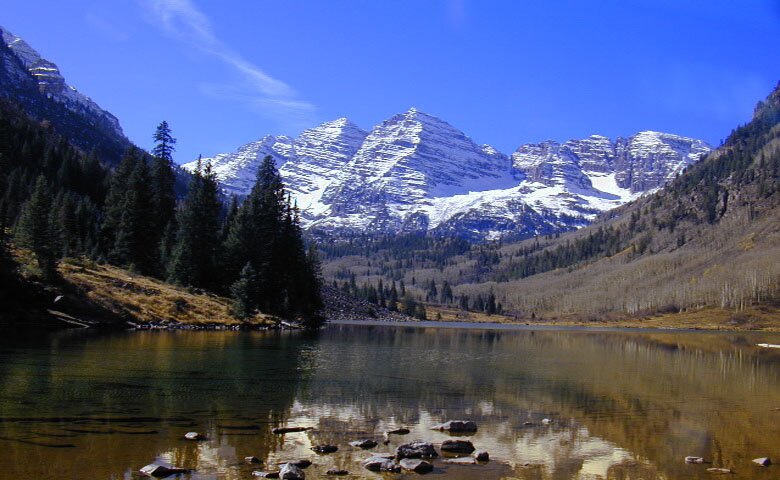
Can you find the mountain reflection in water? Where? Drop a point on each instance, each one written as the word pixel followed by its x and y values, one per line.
pixel 622 405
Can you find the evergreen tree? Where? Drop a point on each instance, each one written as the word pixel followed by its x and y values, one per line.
pixel 34 229
pixel 115 199
pixel 194 257
pixel 163 181
pixel 244 292
pixel 135 245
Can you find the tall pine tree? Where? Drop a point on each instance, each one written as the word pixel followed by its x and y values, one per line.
pixel 34 230
pixel 194 257
pixel 163 180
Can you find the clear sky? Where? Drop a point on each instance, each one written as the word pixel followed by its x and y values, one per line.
pixel 224 73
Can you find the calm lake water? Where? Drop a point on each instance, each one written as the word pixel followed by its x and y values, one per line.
pixel 622 405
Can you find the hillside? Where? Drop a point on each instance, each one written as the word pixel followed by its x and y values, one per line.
pixel 709 240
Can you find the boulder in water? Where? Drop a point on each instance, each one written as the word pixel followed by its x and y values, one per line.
pixel 291 472
pixel 457 426
pixel 416 465
pixel 416 449
pixel 457 446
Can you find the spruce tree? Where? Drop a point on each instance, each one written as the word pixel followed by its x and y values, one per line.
pixel 163 180
pixel 34 229
pixel 194 258
pixel 244 292
pixel 135 245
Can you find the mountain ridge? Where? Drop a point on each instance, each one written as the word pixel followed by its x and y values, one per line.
pixel 416 172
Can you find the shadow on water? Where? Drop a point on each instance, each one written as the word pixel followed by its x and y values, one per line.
pixel 550 404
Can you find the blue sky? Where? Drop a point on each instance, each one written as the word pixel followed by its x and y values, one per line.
pixel 224 73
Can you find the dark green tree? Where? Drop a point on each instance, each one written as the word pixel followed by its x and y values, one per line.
pixel 135 245
pixel 194 257
pixel 244 292
pixel 34 230
pixel 163 180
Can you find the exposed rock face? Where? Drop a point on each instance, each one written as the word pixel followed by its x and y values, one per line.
pixel 415 172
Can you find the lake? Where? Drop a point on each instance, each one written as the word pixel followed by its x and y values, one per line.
pixel 550 403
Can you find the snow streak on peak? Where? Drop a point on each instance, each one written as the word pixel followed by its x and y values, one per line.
pixel 416 172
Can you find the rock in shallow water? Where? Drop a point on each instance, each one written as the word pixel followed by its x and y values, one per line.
pixel 381 464
pixel 336 471
pixel 160 471
pixel 457 426
pixel 259 474
pixel 416 449
pixel 462 461
pixel 763 461
pixel 694 460
pixel 457 446
pixel 416 465
pixel 283 430
pixel 193 436
pixel 398 431
pixel 482 456
pixel 364 444
pixel 325 448
pixel 718 470
pixel 291 472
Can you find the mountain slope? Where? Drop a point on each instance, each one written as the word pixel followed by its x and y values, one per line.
pixel 37 86
pixel 707 242
pixel 417 173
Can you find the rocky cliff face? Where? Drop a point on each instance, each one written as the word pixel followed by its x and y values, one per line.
pixel 415 172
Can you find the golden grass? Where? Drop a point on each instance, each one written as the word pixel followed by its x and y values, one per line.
pixel 148 300
pixel 762 317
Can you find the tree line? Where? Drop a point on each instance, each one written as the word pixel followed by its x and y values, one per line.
pixel 57 202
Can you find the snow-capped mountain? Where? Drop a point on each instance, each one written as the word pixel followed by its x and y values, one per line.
pixel 36 83
pixel 415 172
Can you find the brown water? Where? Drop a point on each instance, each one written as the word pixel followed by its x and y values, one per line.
pixel 622 405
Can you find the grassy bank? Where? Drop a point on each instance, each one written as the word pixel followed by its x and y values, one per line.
pixel 765 317
pixel 143 300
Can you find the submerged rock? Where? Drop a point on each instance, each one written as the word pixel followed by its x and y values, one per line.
pixel 302 463
pixel 160 471
pixel 457 446
pixel 398 431
pixel 694 460
pixel 336 471
pixel 462 461
pixel 457 426
pixel 291 472
pixel 283 430
pixel 718 470
pixel 416 449
pixel 416 465
pixel 379 463
pixel 259 474
pixel 325 448
pixel 252 460
pixel 364 444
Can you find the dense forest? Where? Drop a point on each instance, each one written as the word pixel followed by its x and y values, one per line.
pixel 710 238
pixel 58 202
